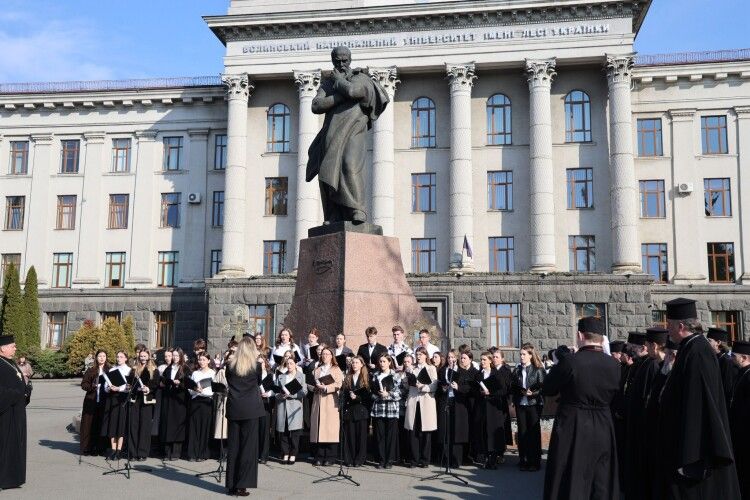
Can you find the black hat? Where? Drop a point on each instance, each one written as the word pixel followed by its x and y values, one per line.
pixel 6 339
pixel 636 338
pixel 616 346
pixel 681 308
pixel 671 345
pixel 590 324
pixel 656 334
pixel 741 347
pixel 718 334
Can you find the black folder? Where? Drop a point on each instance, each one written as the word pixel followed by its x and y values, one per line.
pixel 314 353
pixel 293 387
pixel 278 359
pixel 297 359
pixel 310 378
pixel 268 384
pixel 361 393
pixel 116 378
pixel 218 388
pixel 424 377
pixel 490 383
pixel 205 383
pixel 388 383
pixel 190 383
pixel 341 361
pixel 400 358
pixel 411 379
pixel 326 380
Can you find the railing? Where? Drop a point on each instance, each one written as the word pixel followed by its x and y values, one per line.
pixel 693 57
pixel 103 85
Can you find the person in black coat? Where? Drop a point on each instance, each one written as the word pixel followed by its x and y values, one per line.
pixel 455 396
pixel 357 400
pixel 93 405
pixel 14 396
pixel 739 415
pixel 174 401
pixel 244 410
pixel 115 408
pixel 371 351
pixel 492 387
pixel 718 339
pixel 498 363
pixel 582 458
pixel 145 379
pixel 528 378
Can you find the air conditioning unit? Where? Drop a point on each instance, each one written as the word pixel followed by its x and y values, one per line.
pixel 194 198
pixel 685 188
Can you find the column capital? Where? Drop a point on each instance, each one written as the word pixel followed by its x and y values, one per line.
pixel 198 133
pixel 540 71
pixel 742 112
pixel 461 76
pixel 237 86
pixel 307 82
pixel 682 115
pixel 146 135
pixel 42 139
pixel 386 77
pixel 619 68
pixel 94 137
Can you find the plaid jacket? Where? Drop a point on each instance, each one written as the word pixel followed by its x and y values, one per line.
pixel 388 407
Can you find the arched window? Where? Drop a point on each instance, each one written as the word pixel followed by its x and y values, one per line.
pixel 498 120
pixel 577 117
pixel 279 129
pixel 423 123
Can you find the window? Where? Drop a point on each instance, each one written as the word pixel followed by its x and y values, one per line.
pixel 274 256
pixel 170 210
pixel 721 262
pixel 652 199
pixel 277 190
pixel 498 120
pixel 501 255
pixel 19 157
pixel 70 154
pixel 500 190
pixel 220 152
pixel 580 187
pixel 591 310
pixel 729 321
pixel 172 153
pixel 66 212
pixel 260 320
pixel 9 259
pixel 505 328
pixel 717 197
pixel 215 262
pixel 654 261
pixel 114 271
pixel 57 323
pixel 14 211
pixel 62 267
pixel 649 137
pixel 423 123
pixel 118 211
pixel 217 211
pixel 714 135
pixel 107 315
pixel 423 255
pixel 121 155
pixel 164 329
pixel 577 117
pixel 659 318
pixel 167 274
pixel 582 258
pixel 279 125
pixel 423 192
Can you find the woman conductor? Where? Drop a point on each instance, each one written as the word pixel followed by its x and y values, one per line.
pixel 244 409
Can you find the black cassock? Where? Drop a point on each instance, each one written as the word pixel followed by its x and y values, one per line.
pixel 174 408
pixel 489 413
pixel 582 458
pixel 695 429
pixel 739 420
pixel 13 400
pixel 618 417
pixel 729 372
pixel 652 472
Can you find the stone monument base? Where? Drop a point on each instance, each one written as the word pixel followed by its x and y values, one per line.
pixel 349 280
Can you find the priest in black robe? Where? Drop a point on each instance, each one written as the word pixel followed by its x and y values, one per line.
pixel 697 451
pixel 739 415
pixel 582 458
pixel 718 339
pixel 14 394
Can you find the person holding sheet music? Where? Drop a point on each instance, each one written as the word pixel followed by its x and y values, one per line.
pixel 386 396
pixel 399 350
pixel 489 412
pixel 173 418
pixel 324 416
pixel 528 378
pixel 310 349
pixel 284 343
pixel 498 363
pixel 220 394
pixel 356 407
pixel 115 409
pixel 421 413
pixel 200 409
pixel 93 405
pixel 404 441
pixel 289 402
pixel 456 382
pixel 145 379
pixel 267 390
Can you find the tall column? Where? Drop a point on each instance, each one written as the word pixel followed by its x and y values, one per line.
pixel 461 215
pixel 541 179
pixel 41 166
pixel 308 208
pixel 743 207
pixel 90 257
pixel 142 257
pixel 623 195
pixel 193 263
pixel 235 187
pixel 382 155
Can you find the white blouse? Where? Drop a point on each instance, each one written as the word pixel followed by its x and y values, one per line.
pixel 199 375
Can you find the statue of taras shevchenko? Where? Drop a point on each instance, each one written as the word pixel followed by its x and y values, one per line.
pixel 351 101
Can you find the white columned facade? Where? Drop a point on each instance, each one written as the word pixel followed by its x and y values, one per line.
pixel 383 164
pixel 623 194
pixel 541 179
pixel 743 159
pixel 461 214
pixel 235 184
pixel 308 208
pixel 142 257
pixel 89 255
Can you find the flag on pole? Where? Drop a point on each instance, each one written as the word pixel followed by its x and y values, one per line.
pixel 467 248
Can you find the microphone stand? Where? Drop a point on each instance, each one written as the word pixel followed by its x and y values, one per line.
pixel 219 399
pixel 341 475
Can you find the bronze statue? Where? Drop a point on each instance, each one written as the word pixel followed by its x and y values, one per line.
pixel 351 101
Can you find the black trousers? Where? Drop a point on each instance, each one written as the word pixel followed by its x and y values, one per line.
pixel 139 432
pixel 172 450
pixel 355 449
pixel 290 442
pixel 199 428
pixel 326 451
pixel 529 435
pixel 421 442
pixel 242 454
pixel 264 436
pixel 404 441
pixel 386 435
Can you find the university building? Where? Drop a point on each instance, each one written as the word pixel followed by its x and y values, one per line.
pixel 532 166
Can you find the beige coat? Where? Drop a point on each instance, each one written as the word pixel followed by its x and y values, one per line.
pixel 220 420
pixel 324 416
pixel 425 396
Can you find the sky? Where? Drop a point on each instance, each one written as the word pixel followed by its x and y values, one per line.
pixel 62 40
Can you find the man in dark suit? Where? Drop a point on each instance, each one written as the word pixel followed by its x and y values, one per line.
pixel 371 351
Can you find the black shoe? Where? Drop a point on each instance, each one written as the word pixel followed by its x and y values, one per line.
pixel 327 463
pixel 410 465
pixel 110 456
pixel 422 465
pixel 388 466
pixel 262 461
pixel 317 463
pixel 291 462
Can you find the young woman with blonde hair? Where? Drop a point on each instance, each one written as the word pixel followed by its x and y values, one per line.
pixel 528 378
pixel 146 381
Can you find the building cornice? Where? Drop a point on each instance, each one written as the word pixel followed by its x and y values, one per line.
pixel 421 17
pixel 695 72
